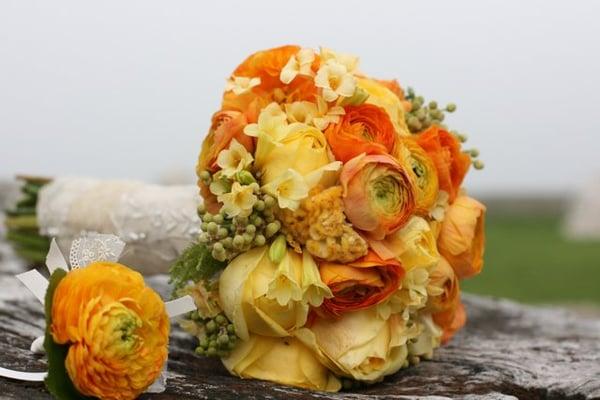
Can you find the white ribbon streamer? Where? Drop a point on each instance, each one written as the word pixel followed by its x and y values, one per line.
pixel 23 376
pixel 35 282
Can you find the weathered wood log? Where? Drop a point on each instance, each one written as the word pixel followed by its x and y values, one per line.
pixel 506 351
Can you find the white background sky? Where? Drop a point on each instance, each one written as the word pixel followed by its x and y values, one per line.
pixel 126 88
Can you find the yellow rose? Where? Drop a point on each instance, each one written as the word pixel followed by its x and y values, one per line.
pixel 383 97
pixel 303 149
pixel 283 360
pixel 360 345
pixel 462 238
pixel 116 327
pixel 270 299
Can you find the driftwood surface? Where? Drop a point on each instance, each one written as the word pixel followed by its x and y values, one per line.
pixel 506 351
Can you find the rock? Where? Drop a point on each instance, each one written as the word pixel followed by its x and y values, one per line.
pixel 506 351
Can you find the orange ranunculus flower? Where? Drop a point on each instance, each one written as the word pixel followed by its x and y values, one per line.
pixel 378 195
pixel 451 163
pixel 363 129
pixel 462 237
pixel 117 329
pixel 423 171
pixel 359 284
pixel 451 320
pixel 267 65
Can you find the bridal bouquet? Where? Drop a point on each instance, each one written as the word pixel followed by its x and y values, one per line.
pixel 335 229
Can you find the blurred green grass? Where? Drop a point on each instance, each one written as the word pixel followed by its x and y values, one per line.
pixel 528 260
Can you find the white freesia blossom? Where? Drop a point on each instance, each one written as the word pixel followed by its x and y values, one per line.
pixel 239 201
pixel 335 81
pixel 289 188
pixel 234 159
pixel 298 64
pixel 347 60
pixel 272 122
pixel 241 84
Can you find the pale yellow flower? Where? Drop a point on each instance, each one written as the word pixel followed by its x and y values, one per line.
pixel 282 360
pixel 314 290
pixel 410 297
pixel 272 122
pixel 265 298
pixel 234 159
pixel 327 115
pixel 335 81
pixel 303 149
pixel 360 345
pixel 239 201
pixel 349 61
pixel 317 114
pixel 383 97
pixel 289 188
pixel 438 210
pixel 301 111
pixel 298 64
pixel 241 84
pixel 428 339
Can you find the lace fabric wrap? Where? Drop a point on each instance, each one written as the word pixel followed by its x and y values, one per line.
pixel 156 222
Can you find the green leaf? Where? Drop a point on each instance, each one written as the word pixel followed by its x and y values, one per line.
pixel 195 263
pixel 58 382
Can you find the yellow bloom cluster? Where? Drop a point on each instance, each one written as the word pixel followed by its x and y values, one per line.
pixel 320 225
pixel 348 232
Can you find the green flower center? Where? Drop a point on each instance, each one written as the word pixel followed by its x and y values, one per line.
pixel 385 192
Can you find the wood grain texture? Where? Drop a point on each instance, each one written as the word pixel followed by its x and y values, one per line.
pixel 506 351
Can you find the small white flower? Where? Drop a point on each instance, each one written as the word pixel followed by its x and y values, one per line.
pixel 298 64
pixel 289 188
pixel 272 121
pixel 347 60
pixel 335 80
pixel 234 159
pixel 327 115
pixel 241 84
pixel 239 201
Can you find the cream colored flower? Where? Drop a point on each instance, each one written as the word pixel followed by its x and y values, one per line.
pixel 317 114
pixel 265 298
pixel 241 84
pixel 429 337
pixel 289 189
pixel 272 122
pixel 282 360
pixel 298 64
pixel 234 159
pixel 327 115
pixel 301 111
pixel 239 201
pixel 360 345
pixel 438 210
pixel 347 60
pixel 410 297
pixel 335 81
pixel 314 290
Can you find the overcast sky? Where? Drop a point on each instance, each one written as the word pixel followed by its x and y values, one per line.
pixel 126 88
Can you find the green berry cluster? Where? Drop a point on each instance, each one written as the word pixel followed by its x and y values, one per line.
pixel 226 236
pixel 421 116
pixel 219 335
